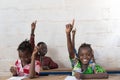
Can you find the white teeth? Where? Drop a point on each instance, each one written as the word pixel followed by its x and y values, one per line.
pixel 85 60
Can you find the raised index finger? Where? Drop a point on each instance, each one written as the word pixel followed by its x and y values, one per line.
pixel 73 21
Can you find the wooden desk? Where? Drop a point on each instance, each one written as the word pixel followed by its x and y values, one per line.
pixel 68 71
pixel 51 77
pixel 62 77
pixel 58 70
pixel 111 77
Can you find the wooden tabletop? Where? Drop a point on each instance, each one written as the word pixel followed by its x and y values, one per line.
pixel 70 69
pixel 62 77
pixel 58 70
pixel 51 77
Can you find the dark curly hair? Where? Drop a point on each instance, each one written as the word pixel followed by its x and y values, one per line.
pixel 40 43
pixel 25 46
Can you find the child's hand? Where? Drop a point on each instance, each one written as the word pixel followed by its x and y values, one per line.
pixel 13 70
pixel 33 25
pixel 74 31
pixel 77 75
pixel 69 27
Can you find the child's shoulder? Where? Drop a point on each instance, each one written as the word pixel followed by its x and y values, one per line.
pixel 99 69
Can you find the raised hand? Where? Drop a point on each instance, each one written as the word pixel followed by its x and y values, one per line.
pixel 69 27
pixel 33 25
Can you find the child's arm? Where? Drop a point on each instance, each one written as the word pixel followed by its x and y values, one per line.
pixel 52 64
pixel 73 37
pixel 69 28
pixel 48 63
pixel 32 41
pixel 91 76
pixel 32 65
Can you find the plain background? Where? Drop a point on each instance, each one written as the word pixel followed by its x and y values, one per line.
pixel 97 23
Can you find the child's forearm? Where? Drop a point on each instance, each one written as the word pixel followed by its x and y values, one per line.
pixel 32 41
pixel 32 31
pixel 32 67
pixel 94 76
pixel 73 40
pixel 32 35
pixel 53 65
pixel 70 46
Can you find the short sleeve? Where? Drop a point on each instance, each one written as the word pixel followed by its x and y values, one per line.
pixel 99 69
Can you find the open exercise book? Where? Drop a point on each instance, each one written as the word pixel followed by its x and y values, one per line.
pixel 71 78
pixel 17 78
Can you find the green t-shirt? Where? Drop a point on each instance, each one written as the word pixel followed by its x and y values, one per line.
pixel 90 69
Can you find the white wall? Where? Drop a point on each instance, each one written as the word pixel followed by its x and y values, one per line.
pixel 97 23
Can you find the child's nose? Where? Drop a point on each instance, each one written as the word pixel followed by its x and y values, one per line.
pixel 84 56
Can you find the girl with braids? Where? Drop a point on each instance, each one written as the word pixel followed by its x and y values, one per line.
pixel 84 66
pixel 92 61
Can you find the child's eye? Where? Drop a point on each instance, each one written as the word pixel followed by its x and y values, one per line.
pixel 81 55
pixel 89 54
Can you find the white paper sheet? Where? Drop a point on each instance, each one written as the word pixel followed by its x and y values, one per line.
pixel 70 78
pixel 17 78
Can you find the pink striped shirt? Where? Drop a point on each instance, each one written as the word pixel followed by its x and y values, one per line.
pixel 21 71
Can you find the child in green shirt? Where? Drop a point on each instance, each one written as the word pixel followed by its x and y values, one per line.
pixel 82 69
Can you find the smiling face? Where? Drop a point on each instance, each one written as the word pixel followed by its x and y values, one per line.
pixel 85 55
